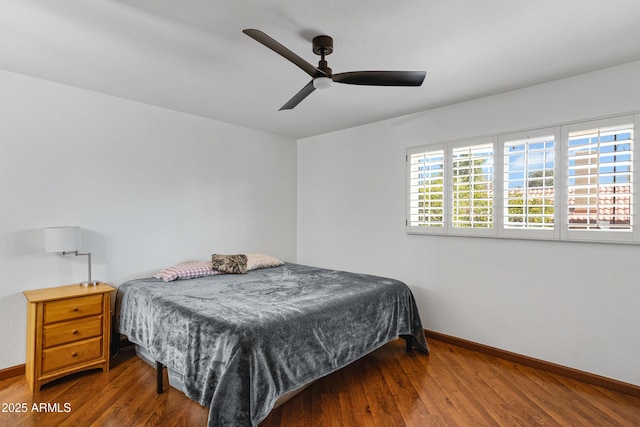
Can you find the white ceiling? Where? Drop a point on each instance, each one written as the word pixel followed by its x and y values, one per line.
pixel 191 55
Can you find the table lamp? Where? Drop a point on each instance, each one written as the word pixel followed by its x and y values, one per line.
pixel 67 240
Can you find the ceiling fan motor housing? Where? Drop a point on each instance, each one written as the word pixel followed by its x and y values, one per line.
pixel 322 45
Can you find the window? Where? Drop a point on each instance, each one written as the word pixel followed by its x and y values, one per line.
pixel 600 177
pixel 472 181
pixel 600 180
pixel 529 184
pixel 571 182
pixel 426 189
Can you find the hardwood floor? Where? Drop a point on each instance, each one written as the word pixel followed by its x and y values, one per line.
pixel 452 386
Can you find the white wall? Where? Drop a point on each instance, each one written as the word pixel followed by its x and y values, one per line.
pixel 150 187
pixel 580 309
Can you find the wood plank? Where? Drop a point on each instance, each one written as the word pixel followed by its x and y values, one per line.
pixel 411 406
pixel 422 378
pixel 354 404
pixel 384 408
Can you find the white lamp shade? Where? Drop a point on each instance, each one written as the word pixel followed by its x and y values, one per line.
pixel 62 239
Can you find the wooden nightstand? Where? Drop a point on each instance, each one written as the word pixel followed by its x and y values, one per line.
pixel 68 330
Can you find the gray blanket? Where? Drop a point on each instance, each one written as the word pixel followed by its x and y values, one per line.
pixel 242 341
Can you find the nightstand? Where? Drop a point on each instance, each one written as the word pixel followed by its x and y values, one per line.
pixel 68 330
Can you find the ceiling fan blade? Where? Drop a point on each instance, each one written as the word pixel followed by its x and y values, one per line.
pixel 381 78
pixel 298 97
pixel 278 48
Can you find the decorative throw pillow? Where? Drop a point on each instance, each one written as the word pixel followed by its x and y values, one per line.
pixel 234 264
pixel 256 261
pixel 187 270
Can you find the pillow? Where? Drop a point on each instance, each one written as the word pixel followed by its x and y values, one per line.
pixel 256 261
pixel 234 264
pixel 187 270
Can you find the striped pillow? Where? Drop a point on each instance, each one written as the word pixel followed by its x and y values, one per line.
pixel 187 270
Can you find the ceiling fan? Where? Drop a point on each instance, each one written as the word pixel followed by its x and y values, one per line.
pixel 322 76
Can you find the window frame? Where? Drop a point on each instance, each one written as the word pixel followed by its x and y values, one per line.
pixel 530 233
pixel 417 229
pixel 619 236
pixel 468 231
pixel 561 230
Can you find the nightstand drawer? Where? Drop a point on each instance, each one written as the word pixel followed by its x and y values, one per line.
pixel 72 308
pixel 75 330
pixel 71 354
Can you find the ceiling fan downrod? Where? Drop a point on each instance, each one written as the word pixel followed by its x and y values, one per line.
pixel 323 46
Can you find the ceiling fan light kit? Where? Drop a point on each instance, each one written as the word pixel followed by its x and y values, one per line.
pixel 322 76
pixel 322 83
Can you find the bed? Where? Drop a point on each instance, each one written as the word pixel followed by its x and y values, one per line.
pixel 241 341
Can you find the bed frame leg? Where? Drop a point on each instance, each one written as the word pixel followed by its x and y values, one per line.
pixel 159 377
pixel 407 341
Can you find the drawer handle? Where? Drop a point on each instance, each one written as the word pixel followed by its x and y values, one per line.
pixel 74 354
pixel 76 309
pixel 75 332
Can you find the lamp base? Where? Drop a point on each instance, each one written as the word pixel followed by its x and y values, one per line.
pixel 91 283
